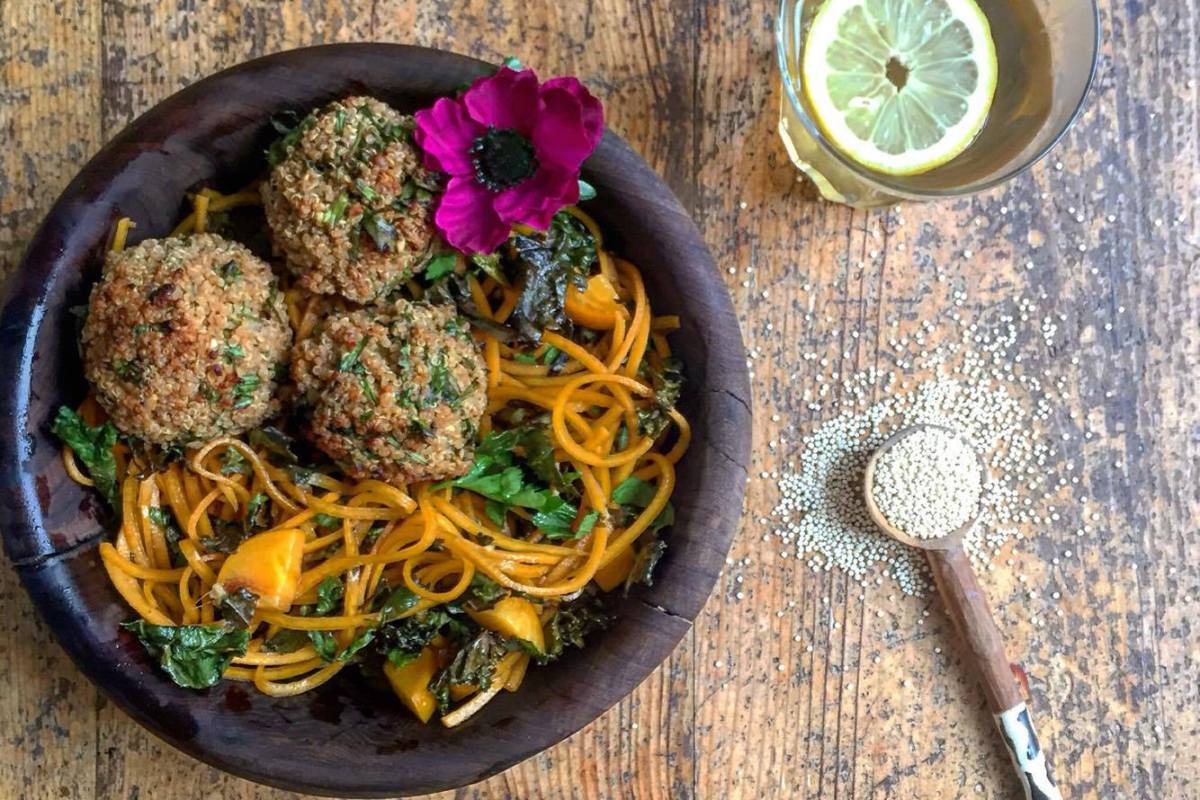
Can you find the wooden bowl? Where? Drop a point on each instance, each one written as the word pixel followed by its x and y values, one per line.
pixel 345 738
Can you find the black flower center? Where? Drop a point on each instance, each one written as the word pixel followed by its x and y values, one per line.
pixel 503 158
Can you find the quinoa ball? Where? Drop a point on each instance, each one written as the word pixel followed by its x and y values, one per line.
pixel 395 392
pixel 184 339
pixel 348 201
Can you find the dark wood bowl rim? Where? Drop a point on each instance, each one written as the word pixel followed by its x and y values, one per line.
pixel 61 570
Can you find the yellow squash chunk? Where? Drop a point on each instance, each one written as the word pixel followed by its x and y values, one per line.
pixel 461 691
pixel 597 307
pixel 267 564
pixel 411 683
pixel 517 674
pixel 513 617
pixel 614 573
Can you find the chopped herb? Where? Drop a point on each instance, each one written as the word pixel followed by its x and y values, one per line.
pixel 524 358
pixel 333 214
pixel 129 370
pixel 349 360
pixel 243 391
pixel 194 656
pixel 440 265
pixel 441 382
pixel 146 327
pixel 365 191
pixel 368 389
pixel 229 271
pixel 339 120
pixel 233 352
pixel 233 463
pixel 93 446
pixel 382 232
pixel 551 355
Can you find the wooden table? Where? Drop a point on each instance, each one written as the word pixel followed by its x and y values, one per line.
pixel 791 685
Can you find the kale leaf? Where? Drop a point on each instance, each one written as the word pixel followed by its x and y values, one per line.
pixel 571 623
pixel 194 656
pixel 93 446
pixel 644 562
pixel 474 664
pixel 634 494
pixel 329 592
pixel 396 602
pixel 546 264
pixel 285 641
pixel 402 640
pixel 237 607
pixel 483 592
pixel 667 382
pixel 324 643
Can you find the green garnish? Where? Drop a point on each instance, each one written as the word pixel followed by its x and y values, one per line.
pixel 333 214
pixel 243 391
pixel 194 656
pixel 93 446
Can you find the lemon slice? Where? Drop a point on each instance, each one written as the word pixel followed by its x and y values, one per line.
pixel 900 86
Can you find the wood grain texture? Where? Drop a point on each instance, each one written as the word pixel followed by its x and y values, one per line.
pixel 1114 680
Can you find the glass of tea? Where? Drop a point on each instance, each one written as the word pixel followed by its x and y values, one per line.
pixel 887 100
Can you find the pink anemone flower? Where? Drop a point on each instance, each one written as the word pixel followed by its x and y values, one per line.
pixel 512 148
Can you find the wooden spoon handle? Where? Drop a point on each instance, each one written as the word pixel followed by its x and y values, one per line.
pixel 968 607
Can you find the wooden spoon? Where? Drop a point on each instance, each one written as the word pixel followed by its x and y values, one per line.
pixel 968 607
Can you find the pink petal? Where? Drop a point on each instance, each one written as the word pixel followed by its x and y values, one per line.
pixel 445 131
pixel 535 202
pixel 508 99
pixel 465 217
pixel 559 137
pixel 592 109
